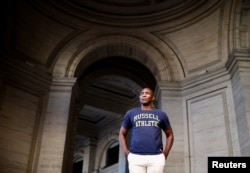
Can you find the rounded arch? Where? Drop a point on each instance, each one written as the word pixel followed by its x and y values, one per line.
pixel 120 77
pixel 114 45
pixel 128 71
pixel 103 146
pixel 78 156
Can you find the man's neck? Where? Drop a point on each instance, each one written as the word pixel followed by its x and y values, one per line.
pixel 146 107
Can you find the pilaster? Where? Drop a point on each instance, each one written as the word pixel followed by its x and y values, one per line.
pixel 239 68
pixel 169 99
pixel 55 126
pixel 89 155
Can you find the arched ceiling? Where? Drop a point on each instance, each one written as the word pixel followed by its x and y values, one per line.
pixel 111 85
pixel 128 7
pixel 127 13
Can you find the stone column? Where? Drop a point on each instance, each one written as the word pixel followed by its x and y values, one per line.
pixel 122 163
pixel 55 126
pixel 239 67
pixel 89 155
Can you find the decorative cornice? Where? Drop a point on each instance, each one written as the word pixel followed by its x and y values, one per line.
pixel 25 74
pixel 237 56
pixel 195 83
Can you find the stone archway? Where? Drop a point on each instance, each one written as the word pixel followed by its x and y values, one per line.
pixel 69 64
pixel 73 64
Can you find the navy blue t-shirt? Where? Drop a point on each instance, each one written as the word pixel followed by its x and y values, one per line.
pixel 147 126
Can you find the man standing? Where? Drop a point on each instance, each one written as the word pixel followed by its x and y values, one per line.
pixel 146 153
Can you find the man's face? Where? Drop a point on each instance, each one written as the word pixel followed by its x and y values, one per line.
pixel 146 96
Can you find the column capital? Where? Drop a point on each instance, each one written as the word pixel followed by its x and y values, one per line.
pixel 238 59
pixel 62 83
pixel 167 86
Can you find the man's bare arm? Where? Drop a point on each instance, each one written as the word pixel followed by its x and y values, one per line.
pixel 122 138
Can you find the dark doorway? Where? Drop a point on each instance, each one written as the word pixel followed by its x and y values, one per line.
pixel 77 167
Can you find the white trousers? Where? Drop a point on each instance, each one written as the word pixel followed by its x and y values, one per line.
pixel 146 163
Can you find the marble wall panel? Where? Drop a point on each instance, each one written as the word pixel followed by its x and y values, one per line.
pixel 19 116
pixel 208 129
